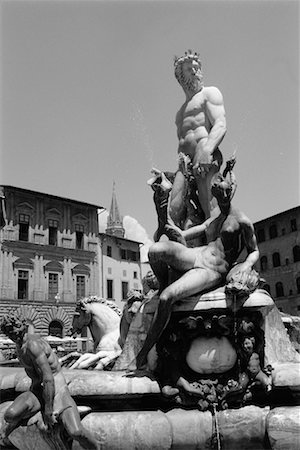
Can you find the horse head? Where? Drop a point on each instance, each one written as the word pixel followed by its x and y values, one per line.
pixel 82 318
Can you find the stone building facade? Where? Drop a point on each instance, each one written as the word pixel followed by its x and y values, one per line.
pixel 120 267
pixel 120 262
pixel 48 256
pixel 278 239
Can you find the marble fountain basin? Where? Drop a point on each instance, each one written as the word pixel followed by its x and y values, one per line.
pixel 126 410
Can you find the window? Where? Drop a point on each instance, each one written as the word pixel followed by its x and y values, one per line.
pixel 79 236
pixel 23 227
pixel 267 288
pixel 129 255
pixel 135 275
pixel 108 250
pixel 298 285
pixel 261 237
pixel 279 289
pixel 276 259
pixel 23 284
pixel 124 290
pixel 273 231
pixel 124 273
pixel 109 270
pixel 55 329
pixel 110 288
pixel 293 225
pixel 52 285
pixel 296 253
pixel 80 286
pixel 52 225
pixel 263 263
pixel 134 256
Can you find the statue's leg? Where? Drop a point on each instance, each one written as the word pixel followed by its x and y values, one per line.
pixel 163 255
pixel 203 181
pixel 177 200
pixel 192 282
pixel 74 428
pixel 158 266
pixel 22 408
pixel 206 198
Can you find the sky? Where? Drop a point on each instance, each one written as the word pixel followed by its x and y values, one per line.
pixel 89 97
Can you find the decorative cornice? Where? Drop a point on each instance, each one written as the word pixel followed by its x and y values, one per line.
pixel 29 250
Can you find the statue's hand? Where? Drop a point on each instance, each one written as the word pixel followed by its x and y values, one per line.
pixel 241 279
pixel 184 162
pixel 49 418
pixel 38 420
pixel 97 360
pixel 85 361
pixel 204 164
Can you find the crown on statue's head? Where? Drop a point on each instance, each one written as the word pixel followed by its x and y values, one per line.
pixel 188 55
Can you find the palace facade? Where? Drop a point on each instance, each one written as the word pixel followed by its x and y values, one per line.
pixel 48 257
pixel 278 239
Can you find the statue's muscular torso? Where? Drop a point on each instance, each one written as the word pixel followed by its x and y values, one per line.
pixel 193 123
pixel 225 240
pixel 33 347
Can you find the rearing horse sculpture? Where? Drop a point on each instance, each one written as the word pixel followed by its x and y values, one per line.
pixel 102 317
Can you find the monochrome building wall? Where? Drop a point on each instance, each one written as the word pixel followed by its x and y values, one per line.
pixel 48 256
pixel 278 239
pixel 119 258
pixel 120 267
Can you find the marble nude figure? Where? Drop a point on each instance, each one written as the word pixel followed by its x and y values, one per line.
pixel 48 394
pixel 201 127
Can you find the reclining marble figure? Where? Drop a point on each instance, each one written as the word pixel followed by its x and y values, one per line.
pixel 203 268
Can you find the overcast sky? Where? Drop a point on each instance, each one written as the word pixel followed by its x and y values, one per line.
pixel 89 96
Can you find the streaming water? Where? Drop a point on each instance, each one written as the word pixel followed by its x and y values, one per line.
pixel 141 133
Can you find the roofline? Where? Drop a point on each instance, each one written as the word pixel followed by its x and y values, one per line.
pixel 121 238
pixel 295 208
pixel 51 196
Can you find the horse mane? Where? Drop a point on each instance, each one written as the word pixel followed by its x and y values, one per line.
pixel 95 299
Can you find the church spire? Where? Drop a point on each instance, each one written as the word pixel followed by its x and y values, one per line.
pixel 115 220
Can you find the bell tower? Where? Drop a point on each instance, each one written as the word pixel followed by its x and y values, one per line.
pixel 115 220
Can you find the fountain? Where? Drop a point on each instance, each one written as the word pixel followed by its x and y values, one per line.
pixel 202 360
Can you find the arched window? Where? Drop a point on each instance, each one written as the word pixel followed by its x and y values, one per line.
pixel 55 329
pixel 263 263
pixel 273 231
pixel 267 287
pixel 261 237
pixel 298 285
pixel 279 289
pixel 276 259
pixel 296 253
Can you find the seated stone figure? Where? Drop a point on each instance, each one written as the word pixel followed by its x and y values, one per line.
pixel 203 268
pixel 48 393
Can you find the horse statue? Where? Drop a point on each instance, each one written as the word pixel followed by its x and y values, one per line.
pixel 102 317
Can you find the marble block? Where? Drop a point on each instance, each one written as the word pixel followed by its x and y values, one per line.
pixel 283 428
